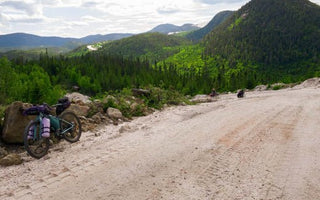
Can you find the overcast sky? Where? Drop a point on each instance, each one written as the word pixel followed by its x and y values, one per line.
pixel 79 18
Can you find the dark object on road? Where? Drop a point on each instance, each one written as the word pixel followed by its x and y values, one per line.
pixel 240 94
pixel 213 93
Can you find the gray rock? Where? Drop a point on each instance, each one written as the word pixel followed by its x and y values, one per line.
pixel 114 113
pixel 78 98
pixel 11 159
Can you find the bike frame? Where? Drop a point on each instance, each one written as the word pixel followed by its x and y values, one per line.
pixel 64 131
pixel 59 131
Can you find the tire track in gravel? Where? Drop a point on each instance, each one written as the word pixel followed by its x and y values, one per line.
pixel 232 167
pixel 86 161
pixel 104 152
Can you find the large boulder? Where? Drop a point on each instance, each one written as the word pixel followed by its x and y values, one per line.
pixel 78 98
pixel 15 123
pixel 79 110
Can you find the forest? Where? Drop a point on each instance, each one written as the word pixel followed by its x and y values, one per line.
pixel 264 42
pixel 49 78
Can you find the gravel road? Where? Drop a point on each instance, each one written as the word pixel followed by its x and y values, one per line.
pixel 264 146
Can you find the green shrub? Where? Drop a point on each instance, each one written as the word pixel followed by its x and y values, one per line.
pixel 138 106
pixel 160 97
pixel 2 113
pixel 277 87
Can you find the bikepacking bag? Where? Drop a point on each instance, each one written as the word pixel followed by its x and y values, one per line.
pixel 45 129
pixel 35 110
pixel 54 122
pixel 45 132
pixel 64 104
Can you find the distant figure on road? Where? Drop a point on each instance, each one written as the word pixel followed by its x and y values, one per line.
pixel 240 94
pixel 213 93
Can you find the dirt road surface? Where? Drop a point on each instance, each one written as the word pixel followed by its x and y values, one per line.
pixel 264 146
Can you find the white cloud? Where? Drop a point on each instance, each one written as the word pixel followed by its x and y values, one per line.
pixel 213 2
pixel 50 2
pixel 91 4
pixel 89 18
pixel 28 7
pixel 78 18
pixel 316 1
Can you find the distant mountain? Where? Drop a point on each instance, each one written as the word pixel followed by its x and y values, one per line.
pixel 100 38
pixel 281 37
pixel 155 46
pixel 24 41
pixel 269 31
pixel 29 41
pixel 170 28
pixel 217 20
pixel 16 40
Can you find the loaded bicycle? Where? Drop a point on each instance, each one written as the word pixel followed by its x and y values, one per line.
pixel 65 124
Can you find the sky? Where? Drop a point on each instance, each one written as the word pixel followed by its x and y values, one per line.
pixel 79 18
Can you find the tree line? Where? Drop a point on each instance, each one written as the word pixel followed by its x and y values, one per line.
pixel 48 78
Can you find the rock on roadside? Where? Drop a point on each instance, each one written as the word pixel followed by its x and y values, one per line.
pixel 15 123
pixel 79 110
pixel 114 113
pixel 3 152
pixel 202 99
pixel 11 159
pixel 78 98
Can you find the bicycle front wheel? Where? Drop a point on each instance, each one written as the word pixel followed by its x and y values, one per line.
pixel 36 145
pixel 70 126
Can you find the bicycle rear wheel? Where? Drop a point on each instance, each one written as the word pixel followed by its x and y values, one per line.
pixel 36 145
pixel 70 126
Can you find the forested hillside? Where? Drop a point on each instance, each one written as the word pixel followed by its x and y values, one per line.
pixel 266 41
pixel 216 21
pixel 47 79
pixel 170 28
pixel 281 37
pixel 154 46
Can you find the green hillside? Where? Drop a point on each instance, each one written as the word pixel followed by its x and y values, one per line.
pixel 266 41
pixel 281 37
pixel 216 21
pixel 154 46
